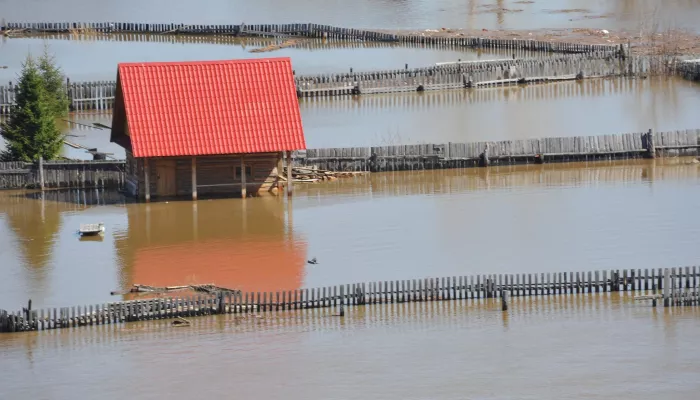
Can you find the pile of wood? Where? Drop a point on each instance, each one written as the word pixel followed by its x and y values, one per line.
pixel 16 32
pixel 313 175
pixel 206 288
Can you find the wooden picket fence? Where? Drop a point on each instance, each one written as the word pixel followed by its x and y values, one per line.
pixel 62 174
pixel 309 30
pixel 506 152
pixel 679 286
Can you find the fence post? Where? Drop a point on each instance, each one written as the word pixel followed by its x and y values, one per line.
pixel 667 283
pixel 222 306
pixel 484 157
pixel 651 148
pixel 41 172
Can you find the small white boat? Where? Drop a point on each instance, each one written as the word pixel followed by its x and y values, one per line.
pixel 92 229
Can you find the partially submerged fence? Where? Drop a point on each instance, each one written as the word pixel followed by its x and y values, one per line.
pixel 83 96
pixel 679 286
pixel 690 70
pixel 308 30
pixel 100 95
pixel 62 174
pixel 460 155
pixel 255 44
pixel 111 174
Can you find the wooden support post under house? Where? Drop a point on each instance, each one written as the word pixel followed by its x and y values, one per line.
pixel 194 178
pixel 289 173
pixel 147 179
pixel 280 170
pixel 243 180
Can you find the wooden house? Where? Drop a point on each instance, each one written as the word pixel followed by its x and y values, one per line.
pixel 192 128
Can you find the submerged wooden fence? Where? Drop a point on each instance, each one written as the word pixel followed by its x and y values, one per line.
pixel 679 286
pixel 111 174
pixel 100 95
pixel 256 43
pixel 62 174
pixel 84 96
pixel 461 155
pixel 690 70
pixel 308 30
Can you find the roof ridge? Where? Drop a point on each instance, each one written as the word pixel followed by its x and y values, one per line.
pixel 205 62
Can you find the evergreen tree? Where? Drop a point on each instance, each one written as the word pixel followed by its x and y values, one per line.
pixel 31 129
pixel 54 84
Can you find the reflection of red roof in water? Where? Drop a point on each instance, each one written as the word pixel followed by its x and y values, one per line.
pixel 248 266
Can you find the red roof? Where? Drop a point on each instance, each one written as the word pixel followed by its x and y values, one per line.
pixel 211 107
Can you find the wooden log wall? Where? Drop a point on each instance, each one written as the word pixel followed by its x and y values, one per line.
pixel 679 286
pixel 63 174
pixel 302 30
pixel 461 155
pixel 215 174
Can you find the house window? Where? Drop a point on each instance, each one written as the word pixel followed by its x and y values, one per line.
pixel 248 172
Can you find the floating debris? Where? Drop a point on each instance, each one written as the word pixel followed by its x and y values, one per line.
pixel 91 229
pixel 205 288
pixel 180 322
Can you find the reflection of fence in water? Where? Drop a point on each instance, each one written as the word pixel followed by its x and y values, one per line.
pixel 309 44
pixel 436 99
pixel 455 181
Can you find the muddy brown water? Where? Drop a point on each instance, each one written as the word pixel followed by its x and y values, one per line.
pixel 597 347
pixel 488 14
pixel 635 214
pixel 556 217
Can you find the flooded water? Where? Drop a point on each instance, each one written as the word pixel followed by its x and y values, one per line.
pixel 89 60
pixel 565 217
pixel 567 109
pixel 522 219
pixel 590 346
pixel 489 14
pixel 598 107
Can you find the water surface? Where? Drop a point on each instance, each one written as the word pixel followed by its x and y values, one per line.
pixel 87 59
pixel 591 107
pixel 488 14
pixel 387 226
pixel 590 346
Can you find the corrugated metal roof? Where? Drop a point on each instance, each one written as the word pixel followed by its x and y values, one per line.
pixel 211 107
